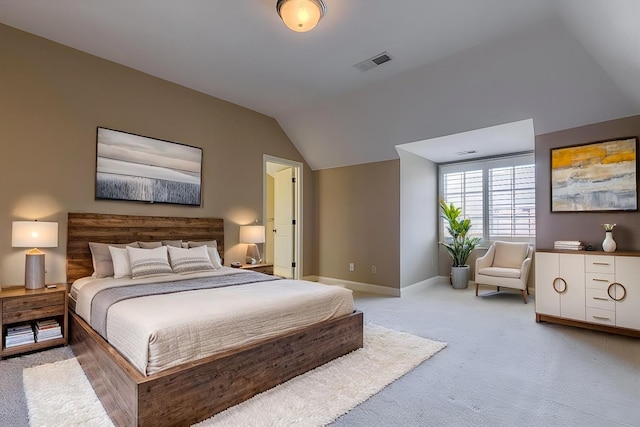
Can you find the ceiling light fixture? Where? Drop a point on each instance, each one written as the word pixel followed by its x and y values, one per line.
pixel 301 15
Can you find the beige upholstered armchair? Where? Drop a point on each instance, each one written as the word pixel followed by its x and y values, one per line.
pixel 505 264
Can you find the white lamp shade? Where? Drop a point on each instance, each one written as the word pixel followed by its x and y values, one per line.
pixel 252 234
pixel 34 234
pixel 300 15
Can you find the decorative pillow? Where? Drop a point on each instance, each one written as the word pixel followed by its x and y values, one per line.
pixel 189 260
pixel 101 257
pixel 212 249
pixel 121 264
pixel 153 245
pixel 149 262
pixel 150 245
pixel 510 254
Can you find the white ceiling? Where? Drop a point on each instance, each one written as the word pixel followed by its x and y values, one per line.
pixel 457 65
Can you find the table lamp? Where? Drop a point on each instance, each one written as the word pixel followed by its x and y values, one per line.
pixel 34 234
pixel 252 234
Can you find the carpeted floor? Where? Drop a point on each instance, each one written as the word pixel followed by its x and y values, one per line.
pixel 500 368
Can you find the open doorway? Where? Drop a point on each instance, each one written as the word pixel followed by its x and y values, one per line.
pixel 282 192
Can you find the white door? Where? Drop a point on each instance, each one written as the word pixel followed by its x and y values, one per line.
pixel 573 301
pixel 547 270
pixel 628 293
pixel 284 219
pixel 560 285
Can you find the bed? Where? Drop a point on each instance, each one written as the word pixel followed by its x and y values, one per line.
pixel 191 391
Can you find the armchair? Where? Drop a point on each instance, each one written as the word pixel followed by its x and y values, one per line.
pixel 505 264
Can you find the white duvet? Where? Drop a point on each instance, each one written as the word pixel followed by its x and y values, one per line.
pixel 161 331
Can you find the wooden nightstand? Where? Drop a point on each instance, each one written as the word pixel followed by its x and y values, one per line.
pixel 19 306
pixel 260 268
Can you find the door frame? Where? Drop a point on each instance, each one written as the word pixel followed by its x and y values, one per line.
pixel 298 167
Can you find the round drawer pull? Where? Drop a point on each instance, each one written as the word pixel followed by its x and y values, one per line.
pixel 555 287
pixel 624 295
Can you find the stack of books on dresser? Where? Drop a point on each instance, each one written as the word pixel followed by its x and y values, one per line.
pixel 19 335
pixel 568 245
pixel 48 330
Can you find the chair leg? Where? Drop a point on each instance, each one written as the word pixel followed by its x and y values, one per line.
pixel 476 288
pixel 524 295
pixel 527 288
pixel 498 288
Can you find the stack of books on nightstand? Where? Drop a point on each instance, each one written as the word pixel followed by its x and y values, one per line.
pixel 570 245
pixel 19 335
pixel 48 330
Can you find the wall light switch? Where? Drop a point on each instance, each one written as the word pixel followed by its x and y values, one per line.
pixel 352 266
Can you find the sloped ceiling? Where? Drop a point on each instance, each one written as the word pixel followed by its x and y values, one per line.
pixel 457 65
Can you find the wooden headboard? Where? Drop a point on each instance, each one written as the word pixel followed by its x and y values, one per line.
pixel 107 228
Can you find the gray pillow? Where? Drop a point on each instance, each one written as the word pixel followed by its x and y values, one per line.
pixel 150 245
pixel 153 245
pixel 101 257
pixel 211 243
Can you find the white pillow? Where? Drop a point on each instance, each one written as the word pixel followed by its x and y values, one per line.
pixel 214 255
pixel 212 249
pixel 121 264
pixel 189 260
pixel 149 262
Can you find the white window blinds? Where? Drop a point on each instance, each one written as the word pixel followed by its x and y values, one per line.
pixel 498 195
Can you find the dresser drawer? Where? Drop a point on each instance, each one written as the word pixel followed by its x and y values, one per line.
pixel 600 264
pixel 32 314
pixel 600 316
pixel 599 280
pixel 598 298
pixel 31 302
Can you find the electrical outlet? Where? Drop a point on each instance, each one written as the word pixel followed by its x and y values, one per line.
pixel 352 267
pixel 373 269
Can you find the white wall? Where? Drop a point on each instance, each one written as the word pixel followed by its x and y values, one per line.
pixel 542 73
pixel 418 218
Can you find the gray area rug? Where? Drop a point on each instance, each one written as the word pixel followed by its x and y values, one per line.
pixel 58 394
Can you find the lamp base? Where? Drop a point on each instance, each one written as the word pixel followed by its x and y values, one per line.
pixel 34 271
pixel 253 254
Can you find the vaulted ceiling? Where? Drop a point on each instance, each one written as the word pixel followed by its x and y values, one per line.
pixel 458 65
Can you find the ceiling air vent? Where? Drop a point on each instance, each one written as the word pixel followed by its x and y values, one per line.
pixel 466 152
pixel 368 64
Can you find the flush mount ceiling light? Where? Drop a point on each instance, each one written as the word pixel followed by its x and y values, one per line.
pixel 301 15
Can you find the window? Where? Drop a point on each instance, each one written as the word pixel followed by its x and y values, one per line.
pixel 498 195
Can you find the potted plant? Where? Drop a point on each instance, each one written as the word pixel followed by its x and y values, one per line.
pixel 461 245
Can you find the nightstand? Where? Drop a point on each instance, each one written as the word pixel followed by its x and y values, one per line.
pixel 20 306
pixel 260 268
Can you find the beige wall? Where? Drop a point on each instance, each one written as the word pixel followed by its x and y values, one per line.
pixel 359 221
pixel 52 100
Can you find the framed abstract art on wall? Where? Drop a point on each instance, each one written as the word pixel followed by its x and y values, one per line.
pixel 595 177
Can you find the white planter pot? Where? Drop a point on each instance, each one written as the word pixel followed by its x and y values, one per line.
pixel 460 277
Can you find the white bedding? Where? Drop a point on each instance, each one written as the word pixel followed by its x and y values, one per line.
pixel 160 331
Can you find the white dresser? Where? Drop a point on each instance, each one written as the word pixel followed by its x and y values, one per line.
pixel 595 290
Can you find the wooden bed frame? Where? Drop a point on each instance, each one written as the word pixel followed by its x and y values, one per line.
pixel 195 391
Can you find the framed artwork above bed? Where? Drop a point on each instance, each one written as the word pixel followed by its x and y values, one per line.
pixel 595 177
pixel 139 168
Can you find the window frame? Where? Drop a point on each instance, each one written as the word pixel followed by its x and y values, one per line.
pixel 484 164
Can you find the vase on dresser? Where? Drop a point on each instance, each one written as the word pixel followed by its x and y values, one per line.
pixel 608 245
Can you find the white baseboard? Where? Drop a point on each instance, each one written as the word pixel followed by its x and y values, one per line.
pixel 425 283
pixel 356 286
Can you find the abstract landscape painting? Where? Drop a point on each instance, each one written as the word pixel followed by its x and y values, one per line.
pixel 133 167
pixel 595 177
